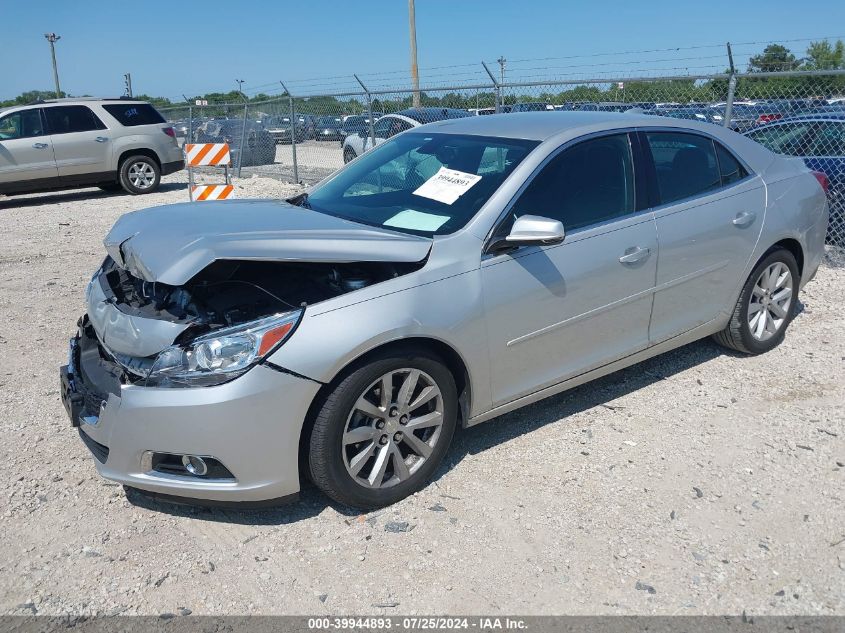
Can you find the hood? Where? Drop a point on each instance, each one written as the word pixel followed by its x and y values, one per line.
pixel 170 244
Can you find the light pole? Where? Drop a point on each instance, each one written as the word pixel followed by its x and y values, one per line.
pixel 415 75
pixel 53 38
pixel 502 61
pixel 240 83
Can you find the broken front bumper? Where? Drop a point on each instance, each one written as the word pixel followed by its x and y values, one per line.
pixel 250 425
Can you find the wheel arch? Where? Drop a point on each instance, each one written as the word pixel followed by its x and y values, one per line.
pixel 454 362
pixel 138 151
pixel 793 246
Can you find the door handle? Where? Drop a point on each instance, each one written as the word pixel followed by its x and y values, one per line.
pixel 40 145
pixel 744 218
pixel 634 254
pixel 101 139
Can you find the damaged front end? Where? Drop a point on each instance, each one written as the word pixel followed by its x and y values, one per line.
pixel 223 321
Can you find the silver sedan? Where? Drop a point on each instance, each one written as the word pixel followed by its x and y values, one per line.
pixel 456 272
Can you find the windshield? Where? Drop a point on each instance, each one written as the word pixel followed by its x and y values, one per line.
pixel 425 184
pixel 328 121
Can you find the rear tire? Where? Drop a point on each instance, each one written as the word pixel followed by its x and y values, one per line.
pixel 400 445
pixel 766 305
pixel 139 175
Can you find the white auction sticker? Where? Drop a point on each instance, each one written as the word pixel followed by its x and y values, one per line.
pixel 447 185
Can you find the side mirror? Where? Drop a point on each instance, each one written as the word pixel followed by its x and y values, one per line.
pixel 530 230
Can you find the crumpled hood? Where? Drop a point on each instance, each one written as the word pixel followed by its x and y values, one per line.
pixel 170 244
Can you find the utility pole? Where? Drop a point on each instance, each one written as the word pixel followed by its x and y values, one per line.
pixel 53 38
pixel 415 74
pixel 240 83
pixel 127 80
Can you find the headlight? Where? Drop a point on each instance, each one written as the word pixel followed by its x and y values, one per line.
pixel 223 355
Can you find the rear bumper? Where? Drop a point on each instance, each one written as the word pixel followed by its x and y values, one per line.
pixel 172 167
pixel 251 425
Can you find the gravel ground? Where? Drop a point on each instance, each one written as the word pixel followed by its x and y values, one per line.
pixel 700 482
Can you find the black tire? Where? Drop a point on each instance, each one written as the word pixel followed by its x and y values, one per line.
pixel 737 335
pixel 349 155
pixel 326 465
pixel 151 166
pixel 112 186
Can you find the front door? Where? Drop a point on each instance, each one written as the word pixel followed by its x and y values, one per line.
pixel 558 311
pixel 26 152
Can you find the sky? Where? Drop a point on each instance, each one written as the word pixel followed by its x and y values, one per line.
pixel 314 46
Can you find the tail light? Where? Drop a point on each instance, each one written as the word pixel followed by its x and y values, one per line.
pixel 169 131
pixel 767 118
pixel 823 180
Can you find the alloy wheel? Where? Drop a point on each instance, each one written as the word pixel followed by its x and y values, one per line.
pixel 392 428
pixel 771 300
pixel 141 175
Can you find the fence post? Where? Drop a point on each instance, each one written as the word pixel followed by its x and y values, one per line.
pixel 190 137
pixel 292 133
pixel 497 90
pixel 369 110
pixel 729 106
pixel 243 140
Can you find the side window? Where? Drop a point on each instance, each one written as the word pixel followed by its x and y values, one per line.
pixel 67 119
pixel 730 168
pixel 789 138
pixel 381 127
pixel 131 114
pixel 829 140
pixel 685 164
pixel 21 124
pixel 588 183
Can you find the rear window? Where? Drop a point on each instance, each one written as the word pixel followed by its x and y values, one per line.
pixel 131 114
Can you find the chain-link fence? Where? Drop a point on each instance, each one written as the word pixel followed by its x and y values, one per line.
pixel 304 138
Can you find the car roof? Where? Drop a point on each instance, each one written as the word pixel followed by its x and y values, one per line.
pixel 539 126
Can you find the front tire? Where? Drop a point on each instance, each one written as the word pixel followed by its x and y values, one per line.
pixel 766 305
pixel 139 175
pixel 383 430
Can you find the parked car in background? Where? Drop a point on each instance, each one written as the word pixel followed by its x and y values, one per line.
pixel 705 115
pixel 329 128
pixel 308 124
pixel 820 140
pixel 69 143
pixel 259 146
pixel 538 106
pixel 456 272
pixel 282 130
pixel 390 125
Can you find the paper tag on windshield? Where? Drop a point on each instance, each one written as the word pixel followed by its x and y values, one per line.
pixel 447 185
pixel 417 221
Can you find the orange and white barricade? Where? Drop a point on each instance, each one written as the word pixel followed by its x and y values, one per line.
pixel 208 155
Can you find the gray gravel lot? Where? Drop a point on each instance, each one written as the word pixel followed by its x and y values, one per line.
pixel 700 482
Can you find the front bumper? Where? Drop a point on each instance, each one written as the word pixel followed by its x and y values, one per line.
pixel 251 425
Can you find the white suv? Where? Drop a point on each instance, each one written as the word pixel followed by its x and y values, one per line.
pixel 71 143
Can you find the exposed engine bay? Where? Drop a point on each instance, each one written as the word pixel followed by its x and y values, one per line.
pixel 230 292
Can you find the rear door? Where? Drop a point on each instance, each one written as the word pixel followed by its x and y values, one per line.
pixel 26 151
pixel 709 211
pixel 81 141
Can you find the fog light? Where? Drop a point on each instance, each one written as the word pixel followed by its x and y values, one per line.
pixel 194 465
